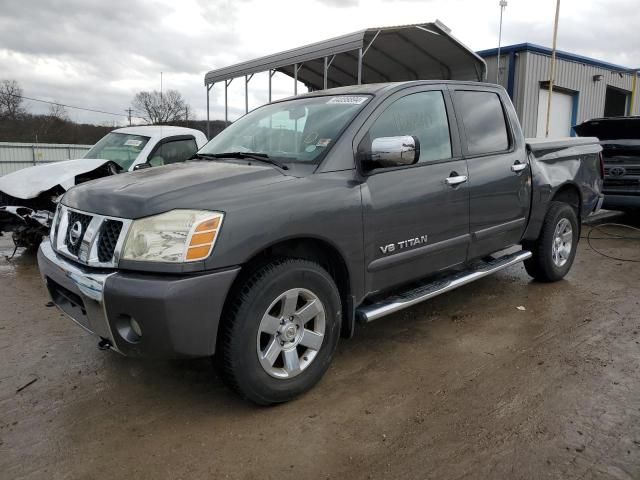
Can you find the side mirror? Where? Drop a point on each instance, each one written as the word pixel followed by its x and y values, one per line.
pixel 141 166
pixel 395 151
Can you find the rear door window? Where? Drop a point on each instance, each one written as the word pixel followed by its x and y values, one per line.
pixel 484 121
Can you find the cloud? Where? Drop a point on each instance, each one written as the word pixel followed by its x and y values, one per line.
pixel 604 30
pixel 340 3
pixel 98 54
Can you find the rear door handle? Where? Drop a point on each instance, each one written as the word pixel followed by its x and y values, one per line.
pixel 518 167
pixel 455 180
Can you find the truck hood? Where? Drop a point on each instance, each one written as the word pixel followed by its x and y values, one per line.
pixel 31 182
pixel 206 185
pixel 613 128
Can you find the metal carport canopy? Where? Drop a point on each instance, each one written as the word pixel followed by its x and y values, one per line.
pixel 424 51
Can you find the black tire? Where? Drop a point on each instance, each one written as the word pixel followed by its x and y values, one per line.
pixel 237 355
pixel 541 265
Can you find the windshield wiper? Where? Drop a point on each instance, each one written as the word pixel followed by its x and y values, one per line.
pixel 260 157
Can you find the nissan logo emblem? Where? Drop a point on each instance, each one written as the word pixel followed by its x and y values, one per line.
pixel 617 171
pixel 75 233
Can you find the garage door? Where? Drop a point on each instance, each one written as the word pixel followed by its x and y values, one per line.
pixel 561 114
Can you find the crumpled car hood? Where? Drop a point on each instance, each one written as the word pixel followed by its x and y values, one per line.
pixel 31 182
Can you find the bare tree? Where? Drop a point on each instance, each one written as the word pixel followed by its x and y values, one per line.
pixel 58 111
pixel 160 108
pixel 11 100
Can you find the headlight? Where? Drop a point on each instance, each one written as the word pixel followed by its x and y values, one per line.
pixel 176 236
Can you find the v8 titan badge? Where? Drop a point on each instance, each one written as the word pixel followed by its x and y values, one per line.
pixel 402 244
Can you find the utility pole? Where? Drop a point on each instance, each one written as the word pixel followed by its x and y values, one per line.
pixel 553 68
pixel 129 110
pixel 503 4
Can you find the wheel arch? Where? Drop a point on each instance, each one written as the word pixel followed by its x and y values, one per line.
pixel 569 193
pixel 315 249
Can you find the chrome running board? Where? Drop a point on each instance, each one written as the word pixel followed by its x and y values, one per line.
pixel 395 303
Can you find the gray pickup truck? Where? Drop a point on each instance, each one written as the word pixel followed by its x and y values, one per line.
pixel 620 140
pixel 310 214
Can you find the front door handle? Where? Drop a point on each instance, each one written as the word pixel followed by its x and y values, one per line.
pixel 454 180
pixel 518 167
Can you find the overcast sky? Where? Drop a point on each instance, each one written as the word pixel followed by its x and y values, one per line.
pixel 98 54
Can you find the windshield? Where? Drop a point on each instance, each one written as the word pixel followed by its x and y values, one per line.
pixel 121 148
pixel 299 130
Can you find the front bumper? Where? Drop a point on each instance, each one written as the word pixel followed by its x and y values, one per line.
pixel 617 202
pixel 177 315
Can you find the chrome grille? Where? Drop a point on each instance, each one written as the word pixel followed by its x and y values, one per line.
pixel 108 239
pixel 628 171
pixel 76 219
pixel 88 238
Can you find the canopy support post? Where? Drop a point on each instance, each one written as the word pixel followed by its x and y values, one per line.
pixel 326 68
pixel 226 101
pixel 296 69
pixel 209 87
pixel 247 78
pixel 327 64
pixel 371 43
pixel 271 74
pixel 361 54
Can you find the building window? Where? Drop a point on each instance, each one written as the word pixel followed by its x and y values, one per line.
pixel 616 102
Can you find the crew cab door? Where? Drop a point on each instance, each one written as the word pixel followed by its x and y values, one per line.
pixel 415 222
pixel 499 173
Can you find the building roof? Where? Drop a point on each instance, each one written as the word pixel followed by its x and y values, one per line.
pixel 572 57
pixel 406 52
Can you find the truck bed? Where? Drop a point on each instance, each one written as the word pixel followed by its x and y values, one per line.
pixel 543 144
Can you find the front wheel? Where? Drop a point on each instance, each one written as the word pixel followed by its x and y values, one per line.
pixel 555 249
pixel 280 332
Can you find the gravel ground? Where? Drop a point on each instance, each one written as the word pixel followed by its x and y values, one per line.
pixel 464 386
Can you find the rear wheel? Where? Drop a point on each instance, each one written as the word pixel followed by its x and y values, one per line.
pixel 555 249
pixel 280 332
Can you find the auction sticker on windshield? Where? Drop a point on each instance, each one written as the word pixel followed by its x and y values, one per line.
pixel 347 100
pixel 133 143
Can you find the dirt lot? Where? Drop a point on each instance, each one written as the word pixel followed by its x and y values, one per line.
pixel 464 386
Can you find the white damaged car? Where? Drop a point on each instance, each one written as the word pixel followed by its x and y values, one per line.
pixel 28 196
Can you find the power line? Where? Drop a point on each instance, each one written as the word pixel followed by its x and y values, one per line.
pixel 68 106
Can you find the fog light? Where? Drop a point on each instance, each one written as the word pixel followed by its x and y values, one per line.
pixel 128 328
pixel 135 326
